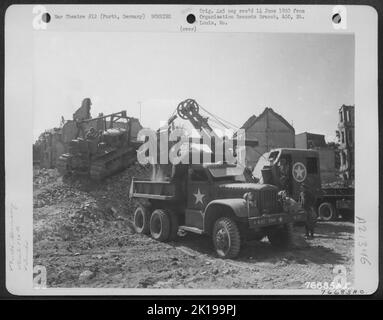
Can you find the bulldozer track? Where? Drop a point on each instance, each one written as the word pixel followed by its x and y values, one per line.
pixel 111 163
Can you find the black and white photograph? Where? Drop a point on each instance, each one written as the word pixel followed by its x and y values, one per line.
pixel 192 160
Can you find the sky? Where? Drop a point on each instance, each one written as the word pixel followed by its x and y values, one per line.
pixel 303 77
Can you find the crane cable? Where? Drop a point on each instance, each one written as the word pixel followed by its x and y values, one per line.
pixel 228 124
pixel 233 127
pixel 215 117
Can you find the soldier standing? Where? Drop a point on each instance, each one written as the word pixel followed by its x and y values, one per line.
pixel 284 171
pixel 307 200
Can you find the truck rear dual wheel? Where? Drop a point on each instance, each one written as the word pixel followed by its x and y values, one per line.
pixel 226 238
pixel 326 211
pixel 142 220
pixel 160 225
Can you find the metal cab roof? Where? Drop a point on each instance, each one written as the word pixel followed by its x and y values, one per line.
pixel 308 152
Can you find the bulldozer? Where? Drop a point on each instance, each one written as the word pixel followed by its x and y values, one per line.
pixel 101 146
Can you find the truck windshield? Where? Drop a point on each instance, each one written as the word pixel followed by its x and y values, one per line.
pixel 263 161
pixel 227 173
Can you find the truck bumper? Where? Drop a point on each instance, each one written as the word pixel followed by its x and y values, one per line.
pixel 276 219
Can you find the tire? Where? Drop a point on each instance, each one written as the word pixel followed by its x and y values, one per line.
pixel 226 238
pixel 281 236
pixel 326 211
pixel 142 220
pixel 160 225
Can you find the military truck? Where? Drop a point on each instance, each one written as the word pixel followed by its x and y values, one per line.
pixel 300 166
pixel 210 198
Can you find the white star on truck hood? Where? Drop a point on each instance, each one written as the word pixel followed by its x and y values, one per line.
pixel 198 196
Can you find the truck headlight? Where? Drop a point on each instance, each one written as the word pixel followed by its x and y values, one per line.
pixel 249 198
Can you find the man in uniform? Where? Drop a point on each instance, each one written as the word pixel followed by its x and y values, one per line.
pixel 91 134
pixel 307 200
pixel 284 171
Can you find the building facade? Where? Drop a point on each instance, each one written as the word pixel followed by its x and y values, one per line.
pixel 345 135
pixel 327 155
pixel 48 148
pixel 306 140
pixel 271 131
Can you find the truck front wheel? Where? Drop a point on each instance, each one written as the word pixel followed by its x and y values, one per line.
pixel 160 225
pixel 226 238
pixel 326 211
pixel 141 220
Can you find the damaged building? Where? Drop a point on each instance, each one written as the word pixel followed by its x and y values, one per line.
pixel 48 148
pixel 327 154
pixel 271 131
pixel 345 135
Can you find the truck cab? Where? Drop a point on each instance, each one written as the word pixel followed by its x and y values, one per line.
pixel 288 168
pixel 223 184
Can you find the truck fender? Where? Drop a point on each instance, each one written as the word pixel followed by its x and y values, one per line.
pixel 131 188
pixel 223 207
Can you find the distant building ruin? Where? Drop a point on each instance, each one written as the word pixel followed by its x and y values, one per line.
pixel 345 135
pixel 327 154
pixel 306 140
pixel 83 113
pixel 48 148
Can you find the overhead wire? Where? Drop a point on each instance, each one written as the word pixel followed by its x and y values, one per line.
pixel 233 127
pixel 215 117
pixel 228 124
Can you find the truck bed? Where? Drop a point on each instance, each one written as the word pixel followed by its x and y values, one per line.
pixel 338 192
pixel 158 190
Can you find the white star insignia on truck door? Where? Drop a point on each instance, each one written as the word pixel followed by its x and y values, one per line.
pixel 198 196
pixel 299 172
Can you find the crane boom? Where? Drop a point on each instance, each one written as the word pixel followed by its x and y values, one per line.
pixel 189 110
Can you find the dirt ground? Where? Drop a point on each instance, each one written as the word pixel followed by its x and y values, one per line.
pixel 84 236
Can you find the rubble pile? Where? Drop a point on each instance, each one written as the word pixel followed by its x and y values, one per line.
pixel 44 176
pixel 83 206
pixel 54 193
pixel 116 189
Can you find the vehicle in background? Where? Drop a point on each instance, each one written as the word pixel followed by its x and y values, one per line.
pixel 304 167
